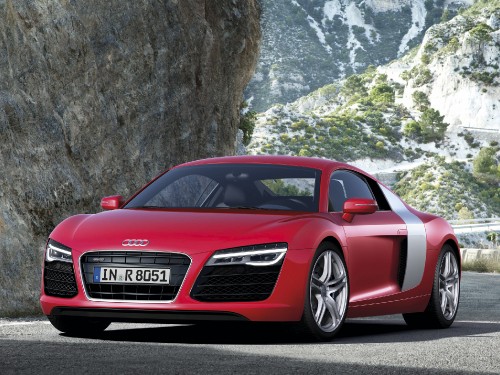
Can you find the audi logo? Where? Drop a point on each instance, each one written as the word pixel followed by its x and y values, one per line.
pixel 135 242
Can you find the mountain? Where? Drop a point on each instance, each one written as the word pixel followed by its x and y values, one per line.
pixel 439 103
pixel 309 43
pixel 98 97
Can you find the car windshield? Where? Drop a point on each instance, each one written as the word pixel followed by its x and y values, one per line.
pixel 229 186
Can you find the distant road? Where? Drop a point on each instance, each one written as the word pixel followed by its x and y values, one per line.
pixel 470 228
pixel 381 345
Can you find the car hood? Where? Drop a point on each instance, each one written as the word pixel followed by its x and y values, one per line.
pixel 177 230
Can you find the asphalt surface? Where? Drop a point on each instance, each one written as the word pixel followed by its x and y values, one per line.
pixel 383 345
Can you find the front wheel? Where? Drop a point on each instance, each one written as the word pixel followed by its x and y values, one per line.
pixel 443 305
pixel 327 296
pixel 78 326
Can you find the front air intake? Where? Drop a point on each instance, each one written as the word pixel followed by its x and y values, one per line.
pixel 229 283
pixel 59 279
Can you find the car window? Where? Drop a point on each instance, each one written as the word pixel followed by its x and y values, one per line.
pixel 345 185
pixel 233 186
pixel 187 191
pixel 291 186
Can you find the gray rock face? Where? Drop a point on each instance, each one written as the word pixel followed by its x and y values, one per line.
pixel 97 97
pixel 307 44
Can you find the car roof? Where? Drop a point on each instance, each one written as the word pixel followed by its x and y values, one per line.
pixel 298 161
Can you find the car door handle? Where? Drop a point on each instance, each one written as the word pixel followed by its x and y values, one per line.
pixel 402 232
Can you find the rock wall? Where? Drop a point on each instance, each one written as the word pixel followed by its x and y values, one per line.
pixel 463 69
pixel 308 44
pixel 97 97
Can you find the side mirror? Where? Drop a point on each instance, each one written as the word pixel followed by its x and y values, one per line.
pixel 112 202
pixel 358 206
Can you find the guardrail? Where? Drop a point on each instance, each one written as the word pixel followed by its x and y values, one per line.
pixel 476 225
pixel 468 221
pixel 474 228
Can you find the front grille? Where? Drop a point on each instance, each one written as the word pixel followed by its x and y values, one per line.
pixel 177 263
pixel 59 279
pixel 235 283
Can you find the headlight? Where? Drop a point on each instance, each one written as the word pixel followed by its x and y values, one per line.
pixel 258 255
pixel 58 252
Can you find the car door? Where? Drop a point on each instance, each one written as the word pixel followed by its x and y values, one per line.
pixel 376 243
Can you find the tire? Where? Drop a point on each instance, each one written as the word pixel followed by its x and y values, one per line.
pixel 327 294
pixel 78 326
pixel 445 296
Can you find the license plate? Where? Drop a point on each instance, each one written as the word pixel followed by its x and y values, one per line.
pixel 131 275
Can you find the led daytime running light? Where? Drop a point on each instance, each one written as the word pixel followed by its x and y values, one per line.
pixel 233 256
pixel 245 253
pixel 59 249
pixel 57 253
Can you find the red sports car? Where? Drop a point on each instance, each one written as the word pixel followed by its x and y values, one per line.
pixel 253 238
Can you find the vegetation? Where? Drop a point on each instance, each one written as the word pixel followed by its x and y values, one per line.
pixel 432 125
pixel 493 237
pixel 449 190
pixel 482 265
pixel 482 32
pixel 382 93
pixel 479 6
pixel 430 128
pixel 421 100
pixel 365 123
pixel 286 188
pixel 485 165
pixel 420 75
pixel 247 123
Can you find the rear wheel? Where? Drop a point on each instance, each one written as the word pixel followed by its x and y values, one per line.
pixel 79 325
pixel 327 295
pixel 443 305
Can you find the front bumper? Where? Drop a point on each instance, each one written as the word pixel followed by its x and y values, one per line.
pixel 286 302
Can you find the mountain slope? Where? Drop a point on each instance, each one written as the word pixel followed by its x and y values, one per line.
pixel 457 68
pixel 441 99
pixel 309 43
pixel 448 189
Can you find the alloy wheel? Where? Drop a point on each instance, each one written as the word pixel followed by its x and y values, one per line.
pixel 449 285
pixel 329 291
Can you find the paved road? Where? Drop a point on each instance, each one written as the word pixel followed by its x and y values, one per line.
pixel 365 346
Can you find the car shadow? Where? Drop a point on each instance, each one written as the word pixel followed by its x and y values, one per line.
pixel 353 332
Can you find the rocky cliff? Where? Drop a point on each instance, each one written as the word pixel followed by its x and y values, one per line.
pixel 97 97
pixel 307 44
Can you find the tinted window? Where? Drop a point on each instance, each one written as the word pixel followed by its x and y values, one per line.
pixel 187 191
pixel 345 185
pixel 233 186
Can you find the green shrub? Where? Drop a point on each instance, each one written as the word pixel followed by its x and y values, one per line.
pixel 481 265
pixel 421 100
pixel 247 123
pixel 486 166
pixel 432 125
pixel 382 93
pixel 413 130
pixel 424 77
pixel 299 125
pixel 425 59
pixel 482 32
pixel 304 152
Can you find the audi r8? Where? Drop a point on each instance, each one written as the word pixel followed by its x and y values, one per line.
pixel 253 238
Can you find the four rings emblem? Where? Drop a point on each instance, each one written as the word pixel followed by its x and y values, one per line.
pixel 135 242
